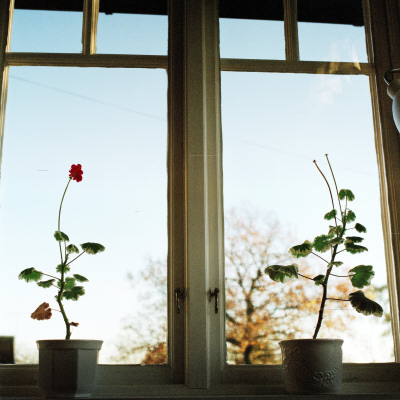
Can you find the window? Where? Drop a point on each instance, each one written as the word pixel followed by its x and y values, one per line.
pixel 193 153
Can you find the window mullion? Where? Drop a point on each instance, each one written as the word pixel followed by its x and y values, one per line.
pixel 6 12
pixel 291 31
pixel 388 155
pixel 203 183
pixel 89 27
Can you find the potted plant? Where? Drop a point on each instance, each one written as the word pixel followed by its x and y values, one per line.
pixel 315 365
pixel 66 367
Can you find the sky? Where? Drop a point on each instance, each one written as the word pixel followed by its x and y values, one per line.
pixel 114 122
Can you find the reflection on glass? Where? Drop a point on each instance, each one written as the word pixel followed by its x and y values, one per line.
pixel 118 132
pixel 332 42
pixel 47 31
pixel 119 33
pixel 252 39
pixel 274 126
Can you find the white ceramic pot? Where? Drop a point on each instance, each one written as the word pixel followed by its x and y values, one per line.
pixel 67 368
pixel 312 366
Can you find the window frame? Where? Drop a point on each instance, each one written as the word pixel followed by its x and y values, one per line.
pixel 196 253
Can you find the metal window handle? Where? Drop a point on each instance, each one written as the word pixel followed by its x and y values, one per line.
pixel 179 299
pixel 212 294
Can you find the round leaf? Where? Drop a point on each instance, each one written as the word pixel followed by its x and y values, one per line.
pixel 92 248
pixel 364 305
pixel 362 275
pixel 30 275
pixel 282 273
pixel 61 236
pixel 301 250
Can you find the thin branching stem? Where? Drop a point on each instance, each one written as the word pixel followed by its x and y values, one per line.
pixel 334 180
pixel 331 298
pixel 75 258
pixel 307 277
pixel 322 258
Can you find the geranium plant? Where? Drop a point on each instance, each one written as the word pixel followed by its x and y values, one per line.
pixel 339 239
pixel 68 285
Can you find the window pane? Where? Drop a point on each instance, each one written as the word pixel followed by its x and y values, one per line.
pixel 329 42
pixel 118 132
pixel 46 31
pixel 132 34
pixel 274 126
pixel 252 39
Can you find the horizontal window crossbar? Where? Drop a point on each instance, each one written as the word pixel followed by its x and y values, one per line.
pixel 83 60
pixel 296 67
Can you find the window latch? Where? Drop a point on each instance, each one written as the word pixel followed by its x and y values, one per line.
pixel 215 294
pixel 179 299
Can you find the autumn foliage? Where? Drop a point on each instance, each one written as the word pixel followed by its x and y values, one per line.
pixel 259 312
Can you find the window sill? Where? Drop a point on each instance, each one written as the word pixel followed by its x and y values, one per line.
pixel 376 381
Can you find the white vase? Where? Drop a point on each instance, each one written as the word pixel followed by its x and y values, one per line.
pixel 67 368
pixel 312 366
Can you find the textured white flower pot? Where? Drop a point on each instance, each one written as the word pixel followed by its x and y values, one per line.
pixel 312 366
pixel 67 368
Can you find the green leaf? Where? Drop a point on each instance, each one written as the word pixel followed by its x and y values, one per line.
pixel 319 279
pixel 30 275
pixel 330 215
pixel 333 230
pixel 46 284
pixel 74 293
pixel 335 264
pixel 282 273
pixel 322 243
pixel 60 267
pixel 362 275
pixel 354 239
pixel 61 236
pixel 69 283
pixel 346 193
pixel 301 250
pixel 80 278
pixel 350 216
pixel 92 248
pixel 354 248
pixel 364 305
pixel 72 249
pixel 360 228
pixel 336 240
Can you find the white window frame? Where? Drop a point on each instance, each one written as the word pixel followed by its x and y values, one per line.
pixel 197 363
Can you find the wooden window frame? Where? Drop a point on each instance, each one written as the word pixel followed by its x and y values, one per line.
pixel 196 254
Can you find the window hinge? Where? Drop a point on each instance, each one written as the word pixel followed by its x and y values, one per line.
pixel 179 298
pixel 212 294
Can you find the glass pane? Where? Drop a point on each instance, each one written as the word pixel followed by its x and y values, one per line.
pixel 47 31
pixel 274 126
pixel 132 34
pixel 252 39
pixel 118 132
pixel 327 42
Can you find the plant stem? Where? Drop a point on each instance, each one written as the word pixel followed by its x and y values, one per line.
pixel 63 265
pixel 62 310
pixel 59 217
pixel 333 255
pixel 334 180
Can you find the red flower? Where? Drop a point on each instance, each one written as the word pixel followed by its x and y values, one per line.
pixel 76 172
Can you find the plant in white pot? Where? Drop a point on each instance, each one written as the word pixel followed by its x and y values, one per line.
pixel 315 365
pixel 67 367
